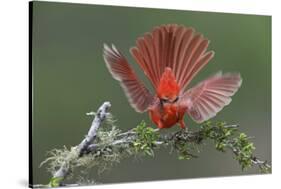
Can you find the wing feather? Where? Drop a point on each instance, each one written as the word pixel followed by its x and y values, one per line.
pixel 207 98
pixel 138 95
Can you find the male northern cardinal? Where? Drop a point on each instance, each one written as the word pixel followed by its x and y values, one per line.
pixel 171 56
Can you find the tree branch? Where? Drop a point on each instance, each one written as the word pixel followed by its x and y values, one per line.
pixel 103 147
pixel 64 169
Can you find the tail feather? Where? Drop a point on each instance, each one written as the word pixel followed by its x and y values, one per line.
pixel 174 46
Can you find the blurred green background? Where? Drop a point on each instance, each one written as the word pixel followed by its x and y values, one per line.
pixel 70 78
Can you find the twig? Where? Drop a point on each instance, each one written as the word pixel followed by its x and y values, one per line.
pixel 260 163
pixel 101 114
pixel 263 165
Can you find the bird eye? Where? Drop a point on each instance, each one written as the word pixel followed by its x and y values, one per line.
pixel 176 99
pixel 164 100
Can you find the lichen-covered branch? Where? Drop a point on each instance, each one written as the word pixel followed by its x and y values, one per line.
pixel 65 164
pixel 105 146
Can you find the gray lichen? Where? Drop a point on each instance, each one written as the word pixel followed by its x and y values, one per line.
pixel 111 145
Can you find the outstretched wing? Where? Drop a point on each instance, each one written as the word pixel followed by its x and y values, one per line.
pixel 138 95
pixel 207 98
pixel 174 46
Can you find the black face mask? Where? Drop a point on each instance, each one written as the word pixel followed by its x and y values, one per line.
pixel 164 101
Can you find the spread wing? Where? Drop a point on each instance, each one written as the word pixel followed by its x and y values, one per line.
pixel 207 98
pixel 138 95
pixel 178 47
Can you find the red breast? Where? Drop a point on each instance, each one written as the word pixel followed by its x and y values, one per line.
pixel 167 115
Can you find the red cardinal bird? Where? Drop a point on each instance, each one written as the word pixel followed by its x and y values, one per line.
pixel 171 56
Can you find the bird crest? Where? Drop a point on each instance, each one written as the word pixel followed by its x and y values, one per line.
pixel 168 88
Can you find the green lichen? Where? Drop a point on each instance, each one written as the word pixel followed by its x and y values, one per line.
pixel 146 139
pixel 55 181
